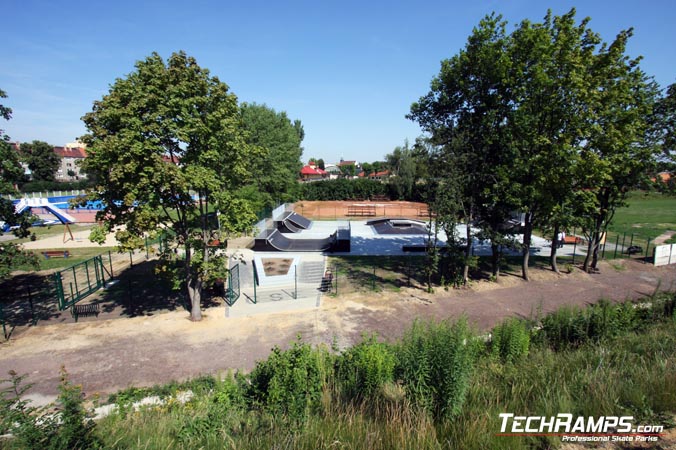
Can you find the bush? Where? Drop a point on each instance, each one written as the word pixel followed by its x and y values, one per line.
pixel 363 369
pixel 69 428
pixel 435 362
pixel 290 382
pixel 510 340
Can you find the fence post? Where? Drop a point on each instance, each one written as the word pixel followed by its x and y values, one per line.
pixel 295 282
pixel 617 242
pixel 255 281
pixel 30 302
pixel 110 261
pixel 647 252
pixel 574 245
pixel 373 286
pixel 624 239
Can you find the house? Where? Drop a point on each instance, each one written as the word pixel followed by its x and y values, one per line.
pixel 71 155
pixel 311 172
pixel 333 171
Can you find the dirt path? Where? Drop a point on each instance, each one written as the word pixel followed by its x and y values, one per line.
pixel 107 355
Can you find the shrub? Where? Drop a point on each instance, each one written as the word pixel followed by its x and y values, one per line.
pixel 435 362
pixel 510 340
pixel 363 369
pixel 290 382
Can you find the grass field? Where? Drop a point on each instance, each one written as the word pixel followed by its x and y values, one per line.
pixel 647 216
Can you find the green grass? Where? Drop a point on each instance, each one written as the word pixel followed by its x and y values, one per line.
pixel 624 373
pixel 77 255
pixel 647 216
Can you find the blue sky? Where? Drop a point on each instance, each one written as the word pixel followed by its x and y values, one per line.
pixel 348 70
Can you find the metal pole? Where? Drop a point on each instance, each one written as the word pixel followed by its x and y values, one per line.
pixel 373 287
pixel 30 301
pixel 110 261
pixel 89 284
pixel 295 282
pixel 617 242
pixel 255 281
pixel 77 290
pixel 631 242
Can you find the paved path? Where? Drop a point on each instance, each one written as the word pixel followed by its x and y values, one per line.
pixel 107 355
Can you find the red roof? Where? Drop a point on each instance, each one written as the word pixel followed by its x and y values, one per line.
pixel 68 152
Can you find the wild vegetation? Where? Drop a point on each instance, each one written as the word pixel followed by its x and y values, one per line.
pixel 440 386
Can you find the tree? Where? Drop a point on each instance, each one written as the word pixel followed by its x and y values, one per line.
pixel 41 160
pixel 467 112
pixel 168 147
pixel 11 255
pixel 403 165
pixel 275 174
pixel 619 149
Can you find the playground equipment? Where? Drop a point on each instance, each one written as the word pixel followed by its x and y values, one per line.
pixel 65 218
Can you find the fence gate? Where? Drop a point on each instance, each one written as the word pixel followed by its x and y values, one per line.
pixel 80 280
pixel 233 292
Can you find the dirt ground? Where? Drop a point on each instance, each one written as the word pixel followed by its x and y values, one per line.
pixel 107 355
pixel 318 210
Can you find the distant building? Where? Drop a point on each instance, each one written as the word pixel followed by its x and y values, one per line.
pixel 71 157
pixel 312 173
pixel 333 171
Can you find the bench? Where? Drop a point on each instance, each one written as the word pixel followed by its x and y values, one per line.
pixel 572 240
pixel 361 210
pixel 91 309
pixel 56 254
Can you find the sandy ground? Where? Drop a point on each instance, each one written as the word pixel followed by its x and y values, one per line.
pixel 80 240
pixel 107 355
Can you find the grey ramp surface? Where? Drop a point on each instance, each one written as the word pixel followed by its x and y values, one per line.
pixel 276 241
pixel 298 220
pixel 287 226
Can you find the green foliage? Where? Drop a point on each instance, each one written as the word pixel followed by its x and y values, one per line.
pixel 343 189
pixel 41 159
pixel 45 186
pixel 275 173
pixel 435 362
pixel 574 326
pixel 362 370
pixel 290 382
pixel 510 340
pixel 165 131
pixel 68 428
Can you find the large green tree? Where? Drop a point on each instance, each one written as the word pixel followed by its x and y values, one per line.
pixel 41 160
pixel 619 148
pixel 468 112
pixel 168 145
pixel 275 174
pixel 11 172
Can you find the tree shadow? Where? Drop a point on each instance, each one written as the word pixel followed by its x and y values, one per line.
pixel 139 291
pixel 28 299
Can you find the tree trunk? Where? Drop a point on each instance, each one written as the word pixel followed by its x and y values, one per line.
pixel 195 293
pixel 495 260
pixel 527 237
pixel 194 287
pixel 555 246
pixel 595 252
pixel 468 252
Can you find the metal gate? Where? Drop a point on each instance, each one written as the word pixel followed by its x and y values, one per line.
pixel 80 280
pixel 233 292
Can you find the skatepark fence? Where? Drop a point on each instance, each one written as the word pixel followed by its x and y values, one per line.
pixel 81 280
pixel 233 292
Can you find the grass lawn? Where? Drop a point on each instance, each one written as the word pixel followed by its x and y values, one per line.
pixel 76 255
pixel 648 216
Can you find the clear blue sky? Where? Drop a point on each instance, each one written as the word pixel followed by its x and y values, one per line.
pixel 348 70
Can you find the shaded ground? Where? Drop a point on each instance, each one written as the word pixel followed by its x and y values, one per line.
pixel 107 355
